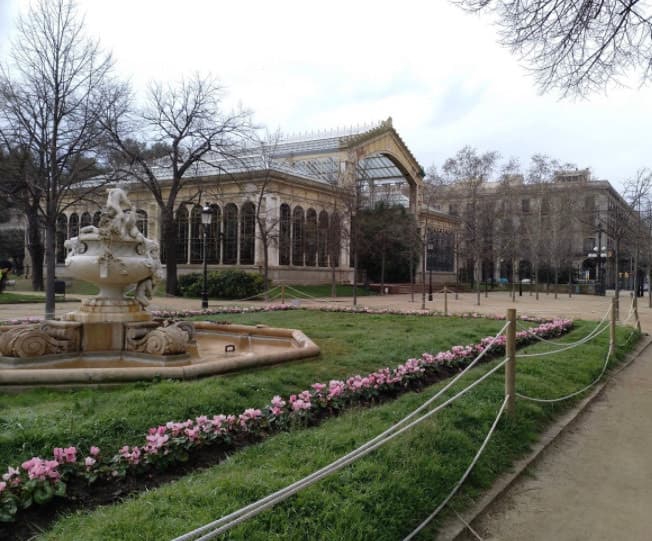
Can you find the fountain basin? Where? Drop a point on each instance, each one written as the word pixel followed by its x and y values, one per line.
pixel 211 355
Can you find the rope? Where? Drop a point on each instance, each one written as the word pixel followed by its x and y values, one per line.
pixel 551 400
pixel 256 507
pixel 580 341
pixel 311 298
pixel 552 352
pixel 251 510
pixel 468 526
pixel 463 478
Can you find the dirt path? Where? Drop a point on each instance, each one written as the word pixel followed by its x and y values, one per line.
pixel 595 482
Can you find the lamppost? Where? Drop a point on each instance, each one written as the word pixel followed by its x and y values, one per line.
pixel 599 252
pixel 431 247
pixel 206 218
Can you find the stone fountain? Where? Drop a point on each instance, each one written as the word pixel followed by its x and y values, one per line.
pixel 113 338
pixel 112 255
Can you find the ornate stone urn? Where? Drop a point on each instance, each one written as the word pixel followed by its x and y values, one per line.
pixel 114 254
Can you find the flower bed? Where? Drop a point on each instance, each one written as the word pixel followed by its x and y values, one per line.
pixel 38 480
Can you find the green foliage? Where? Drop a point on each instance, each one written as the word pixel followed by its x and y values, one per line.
pixel 389 233
pixel 228 284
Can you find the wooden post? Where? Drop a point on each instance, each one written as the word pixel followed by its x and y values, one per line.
pixel 612 327
pixel 282 294
pixel 510 365
pixel 446 301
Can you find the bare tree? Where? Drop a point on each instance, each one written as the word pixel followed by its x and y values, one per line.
pixel 468 171
pixel 637 192
pixel 50 107
pixel 575 46
pixel 189 121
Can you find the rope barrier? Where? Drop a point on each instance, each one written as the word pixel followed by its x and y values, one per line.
pixel 586 339
pixel 571 395
pixel 464 476
pixel 223 524
pixel 468 526
pixel 251 510
pixel 311 298
pixel 580 341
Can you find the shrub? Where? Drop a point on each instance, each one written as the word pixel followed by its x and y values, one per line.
pixel 228 284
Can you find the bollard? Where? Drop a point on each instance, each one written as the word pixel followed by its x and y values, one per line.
pixel 282 294
pixel 612 327
pixel 510 365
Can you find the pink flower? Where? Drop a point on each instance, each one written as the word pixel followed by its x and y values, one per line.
pixel 3 486
pixel 89 462
pixel 95 450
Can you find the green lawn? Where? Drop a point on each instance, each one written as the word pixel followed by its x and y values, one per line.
pixel 381 497
pixel 33 422
pixel 8 297
pixel 77 287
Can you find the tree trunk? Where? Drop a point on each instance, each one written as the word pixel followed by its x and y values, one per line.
pixel 476 274
pixel 169 240
pixel 556 280
pixel 333 282
pixel 50 261
pixel 382 272
pixel 36 250
pixel 264 240
pixel 617 272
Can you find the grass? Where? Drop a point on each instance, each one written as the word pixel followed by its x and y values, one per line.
pixel 33 422
pixel 7 297
pixel 383 496
pixel 77 287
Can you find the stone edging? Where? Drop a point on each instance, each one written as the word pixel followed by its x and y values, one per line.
pixel 453 526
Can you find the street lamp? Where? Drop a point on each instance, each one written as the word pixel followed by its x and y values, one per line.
pixel 599 252
pixel 431 247
pixel 206 218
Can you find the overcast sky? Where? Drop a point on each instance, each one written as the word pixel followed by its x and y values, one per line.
pixel 437 71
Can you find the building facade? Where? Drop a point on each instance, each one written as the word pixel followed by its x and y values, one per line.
pixel 297 196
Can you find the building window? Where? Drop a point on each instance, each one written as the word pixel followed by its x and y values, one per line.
pixel 230 254
pixel 298 240
pixel 213 236
pixel 334 240
pixel 545 206
pixel 62 229
pixel 96 218
pixel 182 235
pixel 284 236
pixel 311 238
pixel 86 219
pixel 322 239
pixel 196 235
pixel 589 244
pixel 73 225
pixel 247 234
pixel 141 222
pixel 525 206
pixel 452 209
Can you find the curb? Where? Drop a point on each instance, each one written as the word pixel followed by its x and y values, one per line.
pixel 453 527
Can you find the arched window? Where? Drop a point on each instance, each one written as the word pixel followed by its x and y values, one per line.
pixel 284 236
pixel 141 221
pixel 213 237
pixel 96 218
pixel 334 240
pixel 230 253
pixel 247 234
pixel 311 238
pixel 73 225
pixel 86 219
pixel 322 239
pixel 182 235
pixel 196 235
pixel 298 240
pixel 62 229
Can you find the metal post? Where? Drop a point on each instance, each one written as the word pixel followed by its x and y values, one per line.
pixel 204 293
pixel 510 365
pixel 430 283
pixel 446 301
pixel 638 321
